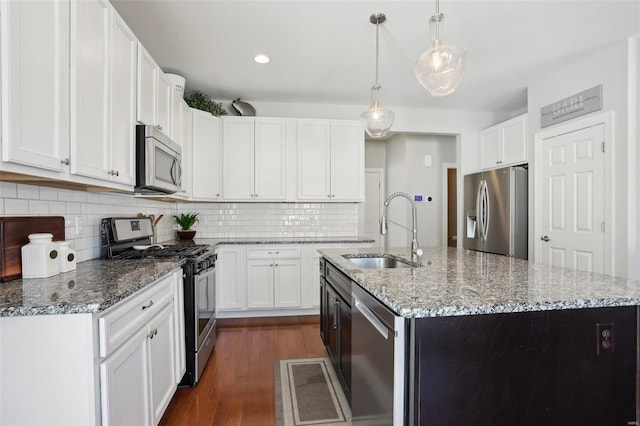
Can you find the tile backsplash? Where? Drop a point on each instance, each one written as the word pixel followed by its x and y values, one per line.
pixel 84 210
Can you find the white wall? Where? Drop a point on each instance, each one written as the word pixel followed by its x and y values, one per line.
pixel 374 154
pixel 611 67
pixel 406 172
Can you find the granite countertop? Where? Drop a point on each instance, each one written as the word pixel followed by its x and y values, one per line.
pixel 94 286
pixel 454 282
pixel 278 240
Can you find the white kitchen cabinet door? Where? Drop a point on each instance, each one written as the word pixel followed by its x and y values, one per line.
pixel 124 47
pixel 237 158
pixel 260 275
pixel 35 81
pixel 178 313
pixel 187 147
pixel 90 109
pixel 347 161
pixel 162 361
pixel 504 144
pixel 490 147
pixel 124 383
pixel 176 116
pixel 270 154
pixel 514 141
pixel 163 106
pixel 230 278
pixel 314 160
pixel 287 283
pixel 206 156
pixel 148 72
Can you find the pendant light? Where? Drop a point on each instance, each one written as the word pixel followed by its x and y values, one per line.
pixel 377 120
pixel 440 69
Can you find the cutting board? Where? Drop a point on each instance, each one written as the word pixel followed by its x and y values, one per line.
pixel 14 233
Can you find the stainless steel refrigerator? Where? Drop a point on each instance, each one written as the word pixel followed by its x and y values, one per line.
pixel 496 211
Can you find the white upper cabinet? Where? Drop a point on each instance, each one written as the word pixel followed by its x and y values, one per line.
pixel 154 93
pixel 90 88
pixel 186 143
pixel 504 144
pixel 103 63
pixel 347 161
pixel 254 153
pixel 124 47
pixel 206 153
pixel 35 82
pixel 330 160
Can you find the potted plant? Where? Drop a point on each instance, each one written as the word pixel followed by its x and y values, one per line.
pixel 186 221
pixel 199 100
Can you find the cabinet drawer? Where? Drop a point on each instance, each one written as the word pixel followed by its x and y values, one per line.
pixel 126 317
pixel 274 253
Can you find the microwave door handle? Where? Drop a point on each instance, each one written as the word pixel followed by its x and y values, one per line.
pixel 173 171
pixel 178 178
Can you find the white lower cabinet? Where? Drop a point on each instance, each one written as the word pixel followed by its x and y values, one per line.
pixel 259 280
pixel 124 379
pixel 118 367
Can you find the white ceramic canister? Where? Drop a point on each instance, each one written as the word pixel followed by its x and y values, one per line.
pixel 40 257
pixel 67 256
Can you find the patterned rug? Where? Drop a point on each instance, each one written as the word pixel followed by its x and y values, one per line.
pixel 307 392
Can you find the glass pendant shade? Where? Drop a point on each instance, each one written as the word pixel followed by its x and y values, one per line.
pixel 440 69
pixel 377 120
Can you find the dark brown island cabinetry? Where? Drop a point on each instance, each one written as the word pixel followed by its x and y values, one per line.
pixel 335 321
pixel 562 367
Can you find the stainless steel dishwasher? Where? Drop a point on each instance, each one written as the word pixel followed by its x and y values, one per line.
pixel 377 362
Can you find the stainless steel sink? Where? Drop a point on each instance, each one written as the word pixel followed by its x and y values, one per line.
pixel 381 262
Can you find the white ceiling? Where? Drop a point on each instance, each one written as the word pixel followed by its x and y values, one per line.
pixel 324 51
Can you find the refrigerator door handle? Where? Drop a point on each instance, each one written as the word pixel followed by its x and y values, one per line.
pixel 479 209
pixel 487 214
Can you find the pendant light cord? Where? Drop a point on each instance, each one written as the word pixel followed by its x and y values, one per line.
pixel 377 50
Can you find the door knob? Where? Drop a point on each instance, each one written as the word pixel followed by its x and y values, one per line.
pixel 545 238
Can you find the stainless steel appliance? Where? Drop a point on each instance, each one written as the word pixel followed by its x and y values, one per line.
pixel 377 362
pixel 496 211
pixel 158 162
pixel 121 235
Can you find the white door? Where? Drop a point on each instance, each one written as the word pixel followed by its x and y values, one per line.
pixel 162 360
pixel 260 284
pixel 370 211
pixel 147 87
pixel 205 156
pixel 124 378
pixel 572 200
pixel 90 128
pixel 347 161
pixel 124 46
pixel 35 67
pixel 314 160
pixel 230 278
pixel 237 158
pixel 270 159
pixel 163 106
pixel 287 283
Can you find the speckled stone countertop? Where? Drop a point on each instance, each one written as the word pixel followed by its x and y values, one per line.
pixel 455 282
pixel 279 240
pixel 94 286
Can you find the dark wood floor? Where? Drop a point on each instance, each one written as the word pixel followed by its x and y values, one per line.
pixel 237 385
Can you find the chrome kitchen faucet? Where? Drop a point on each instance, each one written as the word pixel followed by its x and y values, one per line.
pixel 416 251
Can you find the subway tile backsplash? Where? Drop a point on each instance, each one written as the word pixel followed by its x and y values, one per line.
pixel 84 210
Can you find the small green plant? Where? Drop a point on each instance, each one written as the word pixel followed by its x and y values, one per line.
pixel 186 221
pixel 199 100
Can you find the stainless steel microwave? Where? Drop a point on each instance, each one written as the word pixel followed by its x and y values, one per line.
pixel 158 162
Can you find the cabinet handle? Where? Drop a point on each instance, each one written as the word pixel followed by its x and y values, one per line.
pixel 255 195
pixel 329 195
pixel 217 195
pixel 158 126
pixel 152 333
pixel 274 252
pixel 117 173
pixel 148 306
pixel 276 264
pixel 66 162
pixel 336 302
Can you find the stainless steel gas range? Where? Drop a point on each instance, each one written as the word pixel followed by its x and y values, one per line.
pixel 130 238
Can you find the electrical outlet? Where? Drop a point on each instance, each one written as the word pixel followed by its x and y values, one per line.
pixel 79 222
pixel 605 339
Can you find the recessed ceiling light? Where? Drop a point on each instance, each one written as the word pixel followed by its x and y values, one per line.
pixel 262 59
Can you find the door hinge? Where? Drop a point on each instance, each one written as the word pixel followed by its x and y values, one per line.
pixel 602 146
pixel 602 226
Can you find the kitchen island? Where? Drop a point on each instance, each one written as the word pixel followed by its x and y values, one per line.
pixel 496 340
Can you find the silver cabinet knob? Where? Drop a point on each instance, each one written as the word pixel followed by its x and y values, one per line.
pixel 545 238
pixel 66 162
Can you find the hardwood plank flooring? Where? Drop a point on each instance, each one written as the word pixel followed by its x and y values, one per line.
pixel 236 387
